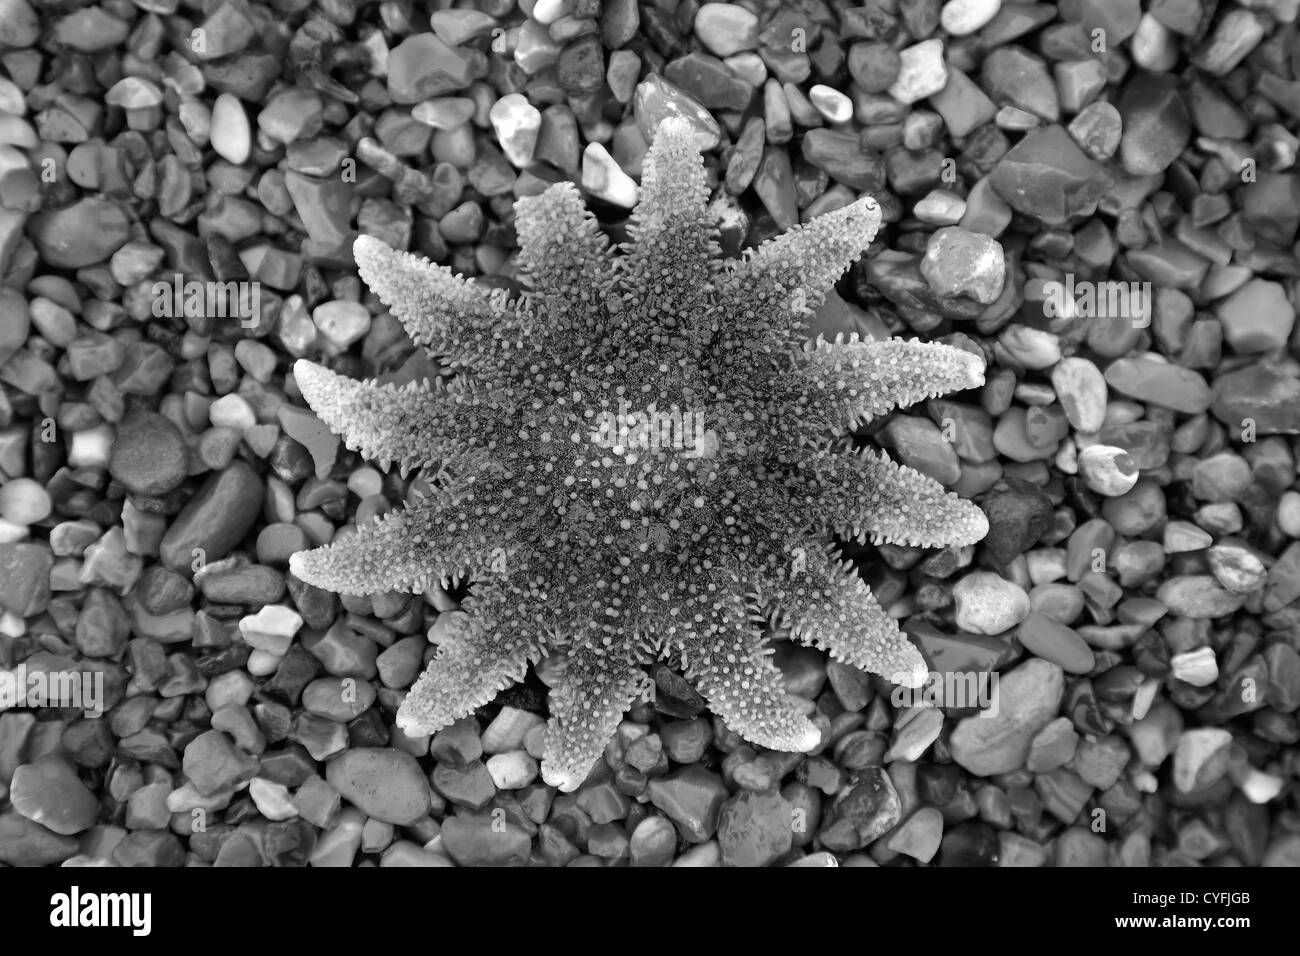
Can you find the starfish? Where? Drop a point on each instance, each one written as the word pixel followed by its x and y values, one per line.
pixel 641 455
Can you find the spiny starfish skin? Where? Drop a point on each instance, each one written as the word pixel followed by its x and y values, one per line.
pixel 610 557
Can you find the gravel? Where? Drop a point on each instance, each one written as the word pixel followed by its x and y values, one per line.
pixel 1136 597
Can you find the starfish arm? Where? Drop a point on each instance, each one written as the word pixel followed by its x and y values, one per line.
pixel 805 262
pixel 674 255
pixel 867 495
pixel 728 665
pixel 476 661
pixel 409 423
pixel 406 550
pixel 441 311
pixel 596 688
pixel 852 382
pixel 563 255
pixel 827 605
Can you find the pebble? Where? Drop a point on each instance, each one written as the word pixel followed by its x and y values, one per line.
pixel 382 783
pixel 605 179
pixel 82 234
pixel 512 770
pixel 922 72
pixel 26 843
pixel 423 66
pixel 24 502
pixel 1201 758
pixel 230 133
pixel 215 519
pixel 1048 177
pixel 1108 470
pixel 271 629
pixel 50 793
pixel 754 828
pixel 692 797
pixel 1198 668
pixel 861 814
pixel 480 841
pixel 920 835
pixel 341 322
pixel 1055 642
pixel 1197 596
pixel 1028 698
pixel 1081 389
pixel 961 17
pixel 19 25
pixel 986 603
pixel 726 28
pixel 959 262
pixel 1258 317
pixel 213 764
pixel 1237 568
pixel 1159 383
pixel 653 842
pixel 517 124
pixel 149 456
pixel 1156 122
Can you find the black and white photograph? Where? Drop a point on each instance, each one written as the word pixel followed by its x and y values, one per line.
pixel 651 434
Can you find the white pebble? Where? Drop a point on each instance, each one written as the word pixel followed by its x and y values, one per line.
pixel 922 72
pixel 1198 668
pixel 231 136
pixel 831 103
pixel 1082 391
pixel 1108 470
pixel 960 17
pixel 271 629
pixel 1288 514
pixel 91 447
pixel 605 179
pixel 272 799
pixel 517 123
pixel 988 603
pixel 24 501
pixel 263 663
pixel 513 770
pixel 232 411
pixel 341 321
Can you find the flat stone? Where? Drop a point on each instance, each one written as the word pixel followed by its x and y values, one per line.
pixel 1160 383
pixel 215 519
pixel 50 793
pixel 1028 698
pixel 1048 177
pixel 385 784
pixel 82 234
